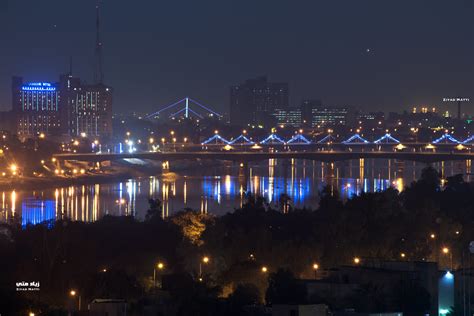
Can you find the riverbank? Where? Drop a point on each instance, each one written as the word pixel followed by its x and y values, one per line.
pixel 116 173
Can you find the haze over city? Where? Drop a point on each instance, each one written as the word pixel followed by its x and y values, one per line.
pixel 370 54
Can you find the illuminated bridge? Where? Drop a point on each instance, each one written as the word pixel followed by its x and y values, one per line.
pixel 244 157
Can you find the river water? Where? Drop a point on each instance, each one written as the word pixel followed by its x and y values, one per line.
pixel 215 190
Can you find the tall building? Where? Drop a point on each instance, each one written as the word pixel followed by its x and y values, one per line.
pixel 35 107
pixel 255 101
pixel 307 107
pixel 86 109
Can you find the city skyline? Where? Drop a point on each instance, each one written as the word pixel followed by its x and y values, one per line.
pixel 359 55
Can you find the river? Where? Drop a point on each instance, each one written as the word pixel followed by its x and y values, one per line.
pixel 215 190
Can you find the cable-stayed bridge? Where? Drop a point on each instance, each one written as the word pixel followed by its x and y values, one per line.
pixel 185 108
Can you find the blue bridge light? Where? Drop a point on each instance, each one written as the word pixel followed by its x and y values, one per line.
pixel 241 140
pixel 446 139
pixel 387 139
pixel 356 139
pixel 272 139
pixel 299 140
pixel 216 139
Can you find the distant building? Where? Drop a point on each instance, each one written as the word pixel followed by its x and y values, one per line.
pixel 255 101
pixel 289 117
pixel 387 276
pixel 307 107
pixel 86 109
pixel 332 115
pixel 35 108
pixel 69 107
pixel 108 307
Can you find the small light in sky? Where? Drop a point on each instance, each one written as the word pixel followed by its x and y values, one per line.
pixel 368 50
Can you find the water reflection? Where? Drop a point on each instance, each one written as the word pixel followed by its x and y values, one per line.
pixel 215 190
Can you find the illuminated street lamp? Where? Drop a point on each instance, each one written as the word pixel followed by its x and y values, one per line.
pixel 73 294
pixel 160 266
pixel 264 269
pixel 315 269
pixel 356 260
pixel 447 251
pixel 13 168
pixel 204 260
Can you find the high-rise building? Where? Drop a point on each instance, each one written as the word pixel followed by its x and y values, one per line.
pixel 255 101
pixel 35 107
pixel 307 107
pixel 86 109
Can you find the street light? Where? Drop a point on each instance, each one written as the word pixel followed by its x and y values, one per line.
pixel 264 269
pixel 160 266
pixel 204 260
pixel 356 260
pixel 73 294
pixel 446 251
pixel 315 269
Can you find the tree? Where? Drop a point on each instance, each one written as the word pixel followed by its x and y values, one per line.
pixel 154 211
pixel 245 294
pixel 283 288
pixel 192 225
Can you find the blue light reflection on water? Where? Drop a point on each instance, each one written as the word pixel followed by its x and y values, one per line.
pixel 216 190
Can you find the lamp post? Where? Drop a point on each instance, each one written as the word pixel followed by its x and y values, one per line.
pixel 446 251
pixel 160 266
pixel 73 294
pixel 315 269
pixel 204 260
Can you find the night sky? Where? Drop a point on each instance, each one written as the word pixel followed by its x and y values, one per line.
pixel 379 55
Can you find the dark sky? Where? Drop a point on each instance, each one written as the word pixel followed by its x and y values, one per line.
pixel 156 52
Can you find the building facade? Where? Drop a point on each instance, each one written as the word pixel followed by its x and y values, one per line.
pixel 254 102
pixel 35 108
pixel 67 108
pixel 289 117
pixel 86 109
pixel 332 116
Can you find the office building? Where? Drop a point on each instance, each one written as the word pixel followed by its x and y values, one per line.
pixel 35 108
pixel 255 101
pixel 86 109
pixel 307 107
pixel 288 117
pixel 332 116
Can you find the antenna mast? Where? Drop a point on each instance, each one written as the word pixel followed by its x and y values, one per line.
pixel 98 73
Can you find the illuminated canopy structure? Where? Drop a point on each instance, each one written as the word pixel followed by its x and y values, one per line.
pixel 355 139
pixel 241 140
pixel 387 139
pixel 299 140
pixel 216 140
pixel 273 139
pixel 446 139
pixel 328 139
pixel 182 108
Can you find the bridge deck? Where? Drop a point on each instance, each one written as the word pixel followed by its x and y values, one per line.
pixel 326 156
